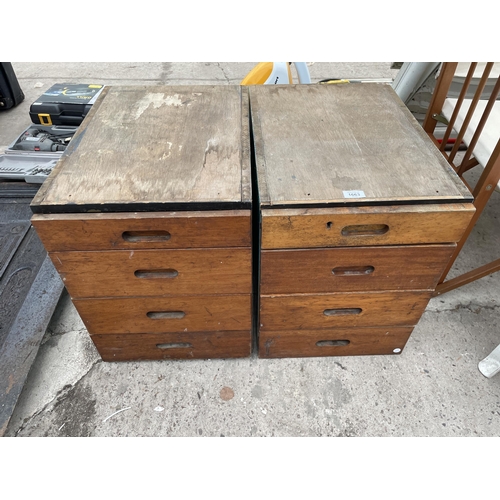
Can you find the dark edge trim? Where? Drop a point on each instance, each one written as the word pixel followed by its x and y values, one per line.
pixel 382 203
pixel 140 207
pixel 256 218
pixel 258 152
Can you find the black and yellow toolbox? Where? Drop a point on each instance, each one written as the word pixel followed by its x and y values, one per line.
pixel 64 104
pixel 56 116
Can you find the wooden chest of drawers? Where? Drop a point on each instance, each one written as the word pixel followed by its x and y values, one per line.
pixel 147 218
pixel 359 215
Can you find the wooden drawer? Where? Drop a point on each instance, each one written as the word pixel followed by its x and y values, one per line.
pixel 337 342
pixel 124 273
pixel 360 214
pixel 364 226
pixel 166 314
pixel 153 238
pixel 353 269
pixel 155 346
pixel 309 312
pixel 134 231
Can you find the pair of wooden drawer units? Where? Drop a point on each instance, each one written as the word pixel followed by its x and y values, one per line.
pixel 199 221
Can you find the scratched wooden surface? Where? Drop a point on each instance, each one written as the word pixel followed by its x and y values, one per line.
pixel 406 225
pixel 329 270
pixel 152 147
pixel 313 142
pixel 341 310
pixel 198 313
pixel 176 345
pixel 334 342
pixel 155 272
pixel 204 229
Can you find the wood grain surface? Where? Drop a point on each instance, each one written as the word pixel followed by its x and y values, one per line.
pixel 63 232
pixel 125 273
pixel 335 342
pixel 321 311
pixel 157 346
pixel 315 143
pixel 166 314
pixel 324 227
pixel 155 145
pixel 353 269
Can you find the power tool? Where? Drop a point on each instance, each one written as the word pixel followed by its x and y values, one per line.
pixel 35 139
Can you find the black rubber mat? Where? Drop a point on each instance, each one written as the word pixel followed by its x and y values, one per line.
pixel 29 291
pixel 11 236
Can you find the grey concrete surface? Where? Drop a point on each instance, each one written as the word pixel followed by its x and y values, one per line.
pixel 433 388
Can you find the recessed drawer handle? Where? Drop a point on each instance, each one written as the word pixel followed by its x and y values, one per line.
pixel 145 236
pixel 166 314
pixel 352 271
pixel 156 273
pixel 325 343
pixel 365 230
pixel 174 345
pixel 342 312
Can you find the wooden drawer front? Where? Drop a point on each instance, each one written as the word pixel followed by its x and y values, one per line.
pixel 309 312
pixel 353 269
pixel 134 231
pixel 364 226
pixel 166 314
pixel 124 273
pixel 336 342
pixel 153 346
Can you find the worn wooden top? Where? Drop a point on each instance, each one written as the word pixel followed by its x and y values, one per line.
pixel 320 145
pixel 149 148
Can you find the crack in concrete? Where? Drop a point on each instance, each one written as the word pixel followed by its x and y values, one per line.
pixel 471 306
pixel 50 334
pixel 61 394
pixel 223 72
pixel 166 72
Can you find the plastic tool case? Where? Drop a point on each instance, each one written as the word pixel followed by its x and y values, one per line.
pixel 64 104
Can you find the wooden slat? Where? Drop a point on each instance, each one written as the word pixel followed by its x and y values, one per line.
pixel 479 129
pixel 482 192
pixel 453 118
pixel 199 345
pixel 335 342
pixel 161 145
pixel 409 225
pixel 63 232
pixel 348 310
pixel 446 74
pixel 314 143
pixel 469 277
pixel 353 269
pixel 470 112
pixel 155 272
pixel 201 313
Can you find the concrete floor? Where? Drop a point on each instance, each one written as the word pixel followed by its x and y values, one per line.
pixel 433 388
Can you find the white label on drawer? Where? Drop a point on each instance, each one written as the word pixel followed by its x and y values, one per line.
pixel 354 194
